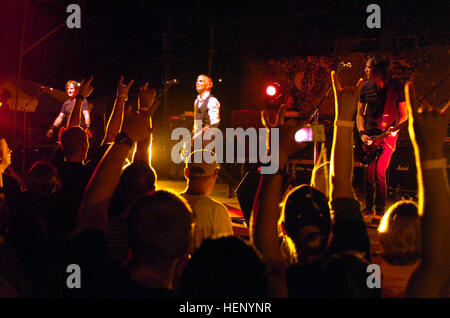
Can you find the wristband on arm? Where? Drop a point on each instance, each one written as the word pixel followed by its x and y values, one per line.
pixel 344 123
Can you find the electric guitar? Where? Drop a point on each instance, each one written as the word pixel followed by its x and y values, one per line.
pixel 188 145
pixel 367 153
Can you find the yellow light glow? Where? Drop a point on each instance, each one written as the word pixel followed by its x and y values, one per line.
pixel 130 157
pixel 384 221
pixel 150 153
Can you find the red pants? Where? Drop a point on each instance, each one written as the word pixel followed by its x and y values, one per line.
pixel 376 188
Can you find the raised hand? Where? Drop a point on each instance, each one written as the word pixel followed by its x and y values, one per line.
pixel 146 99
pixel 137 125
pixel 345 99
pixel 123 89
pixel 427 124
pixel 85 87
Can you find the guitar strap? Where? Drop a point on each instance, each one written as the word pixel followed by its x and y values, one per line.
pixel 390 107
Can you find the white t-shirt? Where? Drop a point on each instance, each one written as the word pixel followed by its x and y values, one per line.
pixel 210 217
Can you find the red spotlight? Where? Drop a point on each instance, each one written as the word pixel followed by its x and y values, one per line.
pixel 273 90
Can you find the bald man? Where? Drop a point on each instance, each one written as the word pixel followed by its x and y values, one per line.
pixel 206 106
pixel 206 116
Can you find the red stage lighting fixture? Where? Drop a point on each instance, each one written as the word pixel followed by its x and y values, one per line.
pixel 273 89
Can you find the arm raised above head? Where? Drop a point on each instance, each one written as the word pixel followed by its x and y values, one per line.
pixel 115 119
pixel 341 172
pixel 428 129
pixel 98 193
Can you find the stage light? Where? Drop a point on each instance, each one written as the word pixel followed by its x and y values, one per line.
pixel 304 134
pixel 271 90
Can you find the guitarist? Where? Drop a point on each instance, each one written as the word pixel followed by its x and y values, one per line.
pixel 72 89
pixel 206 116
pixel 206 106
pixel 382 104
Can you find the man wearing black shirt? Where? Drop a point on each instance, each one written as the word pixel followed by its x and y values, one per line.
pixel 72 89
pixel 382 104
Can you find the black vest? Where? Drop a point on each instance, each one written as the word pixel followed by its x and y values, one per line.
pixel 201 112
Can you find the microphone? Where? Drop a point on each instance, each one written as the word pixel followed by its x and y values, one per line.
pixel 343 64
pixel 173 81
pixel 46 88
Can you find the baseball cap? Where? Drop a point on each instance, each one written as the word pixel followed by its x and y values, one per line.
pixel 201 168
pixel 304 206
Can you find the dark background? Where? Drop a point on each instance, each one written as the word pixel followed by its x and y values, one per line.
pixel 127 38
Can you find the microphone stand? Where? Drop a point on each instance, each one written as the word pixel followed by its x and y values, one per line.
pixel 314 116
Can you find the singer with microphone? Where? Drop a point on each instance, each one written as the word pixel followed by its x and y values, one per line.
pixel 72 89
pixel 382 105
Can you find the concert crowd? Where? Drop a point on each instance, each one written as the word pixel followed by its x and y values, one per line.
pixel 97 227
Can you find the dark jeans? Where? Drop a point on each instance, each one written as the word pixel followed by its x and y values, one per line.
pixel 376 188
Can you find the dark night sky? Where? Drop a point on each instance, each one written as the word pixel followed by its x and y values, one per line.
pixel 124 37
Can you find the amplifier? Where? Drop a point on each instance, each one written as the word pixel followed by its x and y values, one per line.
pixel 402 173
